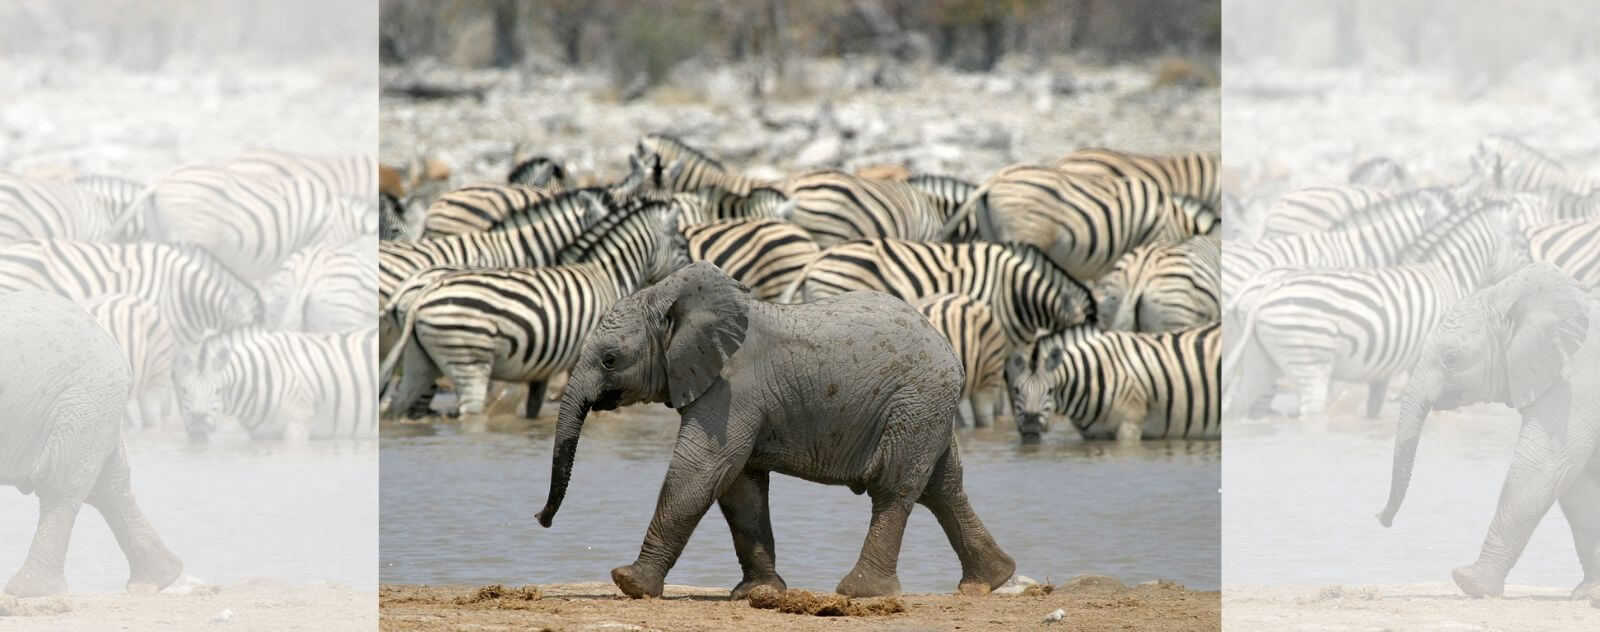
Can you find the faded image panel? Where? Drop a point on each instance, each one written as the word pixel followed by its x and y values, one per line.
pixel 1409 307
pixel 188 221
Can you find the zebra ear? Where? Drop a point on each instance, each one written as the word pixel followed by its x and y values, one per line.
pixel 1054 360
pixel 1546 319
pixel 704 326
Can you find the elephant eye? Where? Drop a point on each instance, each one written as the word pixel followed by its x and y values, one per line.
pixel 609 360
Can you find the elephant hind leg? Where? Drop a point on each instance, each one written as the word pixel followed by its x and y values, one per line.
pixel 1581 505
pixel 984 566
pixel 44 572
pixel 745 507
pixel 151 566
pixel 876 571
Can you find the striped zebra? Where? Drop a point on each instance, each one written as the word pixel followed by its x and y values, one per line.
pixel 539 172
pixel 194 293
pixel 117 194
pixel 1121 384
pixel 1163 288
pixel 766 255
pixel 148 345
pixel 484 207
pixel 526 324
pixel 47 209
pixel 352 176
pixel 972 331
pixel 1083 223
pixel 691 169
pixel 711 204
pixel 1573 246
pixel 1381 173
pixel 282 384
pixel 1549 206
pixel 948 195
pixel 1194 175
pixel 1511 165
pixel 392 222
pixel 836 207
pixel 1025 290
pixel 324 289
pixel 1368 324
pixel 249 223
pixel 1317 209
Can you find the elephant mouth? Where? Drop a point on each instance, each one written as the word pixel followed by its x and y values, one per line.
pixel 607 400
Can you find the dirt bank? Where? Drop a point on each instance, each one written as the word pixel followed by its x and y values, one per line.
pixel 251 605
pixel 1404 607
pixel 1089 603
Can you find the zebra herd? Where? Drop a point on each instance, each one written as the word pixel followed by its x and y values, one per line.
pixel 1344 282
pixel 502 281
pixel 233 288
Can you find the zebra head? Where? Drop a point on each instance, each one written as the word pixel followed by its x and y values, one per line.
pixel 1028 375
pixel 201 379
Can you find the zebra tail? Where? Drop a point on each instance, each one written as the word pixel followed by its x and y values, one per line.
pixel 979 198
pixel 785 209
pixel 796 287
pixel 135 208
pixel 391 361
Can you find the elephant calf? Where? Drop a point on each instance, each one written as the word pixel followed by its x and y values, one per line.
pixel 63 395
pixel 853 390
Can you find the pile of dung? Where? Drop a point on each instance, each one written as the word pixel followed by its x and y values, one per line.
pixel 499 596
pixel 806 602
pixel 13 607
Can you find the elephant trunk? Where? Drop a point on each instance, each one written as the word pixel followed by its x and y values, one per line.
pixel 575 405
pixel 1414 411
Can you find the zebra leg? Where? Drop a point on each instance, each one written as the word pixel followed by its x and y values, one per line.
pixel 984 566
pixel 983 407
pixel 151 565
pixel 1312 381
pixel 1377 391
pixel 535 399
pixel 472 387
pixel 745 507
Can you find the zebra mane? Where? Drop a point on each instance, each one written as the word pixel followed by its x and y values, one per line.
pixel 521 170
pixel 1035 257
pixel 555 203
pixel 677 145
pixel 600 234
pixel 1385 208
pixel 1444 232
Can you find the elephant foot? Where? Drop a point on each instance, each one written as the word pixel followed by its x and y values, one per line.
pixel 637 581
pixel 744 587
pixel 1589 589
pixel 860 583
pixel 29 583
pixel 987 576
pixel 155 575
pixel 1477 583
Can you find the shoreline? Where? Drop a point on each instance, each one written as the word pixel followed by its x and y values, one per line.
pixel 1089 603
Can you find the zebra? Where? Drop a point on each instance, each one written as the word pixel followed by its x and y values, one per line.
pixel 117 194
pixel 352 176
pixel 526 324
pixel 971 328
pixel 1549 206
pixel 1163 288
pixel 249 223
pixel 392 222
pixel 323 289
pixel 1317 209
pixel 1121 384
pixel 539 172
pixel 1511 165
pixel 949 194
pixel 1368 324
pixel 1026 291
pixel 47 209
pixel 485 207
pixel 1194 175
pixel 1083 223
pixel 711 204
pixel 766 255
pixel 1381 173
pixel 837 207
pixel 690 169
pixel 194 293
pixel 282 384
pixel 149 346
pixel 1573 246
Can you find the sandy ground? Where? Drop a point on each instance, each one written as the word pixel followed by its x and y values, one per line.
pixel 250 605
pixel 1404 607
pixel 1089 604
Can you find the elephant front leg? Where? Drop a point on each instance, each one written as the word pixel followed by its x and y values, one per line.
pixel 745 507
pixel 875 573
pixel 44 573
pixel 1581 505
pixel 151 565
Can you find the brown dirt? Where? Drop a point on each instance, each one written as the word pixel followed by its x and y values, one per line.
pixel 1404 607
pixel 254 605
pixel 1090 604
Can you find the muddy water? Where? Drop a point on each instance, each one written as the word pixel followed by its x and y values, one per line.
pixel 458 508
pixel 232 509
pixel 1299 504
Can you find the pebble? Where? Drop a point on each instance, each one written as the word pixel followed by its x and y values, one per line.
pixel 1053 617
pixel 223 617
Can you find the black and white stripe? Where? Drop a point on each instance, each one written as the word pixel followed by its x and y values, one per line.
pixel 324 289
pixel 1509 164
pixel 1317 209
pixel 485 207
pixel 971 328
pixel 283 384
pixel 688 169
pixel 837 207
pixel 1573 246
pixel 149 346
pixel 1163 288
pixel 353 176
pixel 766 255
pixel 1194 175
pixel 47 209
pixel 539 172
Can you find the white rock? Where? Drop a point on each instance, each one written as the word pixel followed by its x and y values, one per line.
pixel 822 151
pixel 184 585
pixel 222 617
pixel 1053 617
pixel 1015 586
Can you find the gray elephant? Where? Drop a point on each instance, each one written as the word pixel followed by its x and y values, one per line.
pixel 1531 341
pixel 63 393
pixel 853 390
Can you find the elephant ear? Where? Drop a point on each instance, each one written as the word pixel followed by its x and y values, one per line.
pixel 1546 320
pixel 704 326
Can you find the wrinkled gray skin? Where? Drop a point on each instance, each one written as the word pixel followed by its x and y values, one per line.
pixel 853 390
pixel 63 393
pixel 1531 342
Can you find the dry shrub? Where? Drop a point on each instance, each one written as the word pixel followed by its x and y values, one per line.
pixel 1177 72
pixel 828 605
pixel 499 596
pixel 1038 590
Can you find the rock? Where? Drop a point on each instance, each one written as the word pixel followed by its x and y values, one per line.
pixel 189 584
pixel 222 617
pixel 821 152
pixel 1053 617
pixel 1015 586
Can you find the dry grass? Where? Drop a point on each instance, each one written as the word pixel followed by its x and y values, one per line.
pixel 828 605
pixel 1177 72
pixel 499 596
